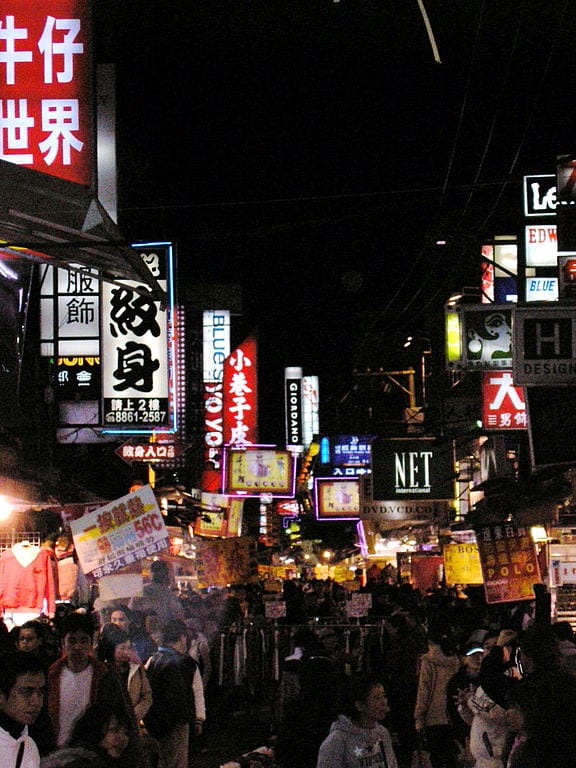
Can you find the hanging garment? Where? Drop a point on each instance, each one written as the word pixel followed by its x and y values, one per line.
pixel 27 582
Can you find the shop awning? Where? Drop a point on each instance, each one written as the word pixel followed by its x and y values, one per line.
pixel 61 222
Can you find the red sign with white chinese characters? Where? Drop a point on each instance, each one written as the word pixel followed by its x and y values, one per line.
pixel 503 404
pixel 46 87
pixel 240 394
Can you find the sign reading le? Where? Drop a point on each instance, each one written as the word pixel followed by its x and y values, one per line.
pixel 544 345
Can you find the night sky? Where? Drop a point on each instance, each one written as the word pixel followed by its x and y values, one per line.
pixel 314 152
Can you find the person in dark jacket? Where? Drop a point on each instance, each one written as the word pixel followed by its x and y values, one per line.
pixel 177 696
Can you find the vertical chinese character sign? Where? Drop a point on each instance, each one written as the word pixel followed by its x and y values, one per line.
pixel 137 350
pixel 240 394
pixel 69 311
pixel 46 87
pixel 509 562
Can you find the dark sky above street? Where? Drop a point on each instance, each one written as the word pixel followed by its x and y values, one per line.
pixel 314 151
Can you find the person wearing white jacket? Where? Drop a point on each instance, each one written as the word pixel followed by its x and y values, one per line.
pixel 358 739
pixel 22 687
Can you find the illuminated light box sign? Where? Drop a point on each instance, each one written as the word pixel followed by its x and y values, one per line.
pixel 503 404
pixel 412 469
pixel 541 289
pixel 479 336
pixel 540 195
pixel 78 378
pixel 545 345
pixel 120 533
pixel 46 102
pixel 258 469
pixel 336 498
pixel 138 351
pixel 350 450
pixel 541 243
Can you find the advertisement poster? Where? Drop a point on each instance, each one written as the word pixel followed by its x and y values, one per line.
pixel 223 561
pixel 509 562
pixel 337 498
pixel 120 533
pixel 462 564
pixel 259 469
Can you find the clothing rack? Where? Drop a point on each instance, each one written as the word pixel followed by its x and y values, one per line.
pixel 9 538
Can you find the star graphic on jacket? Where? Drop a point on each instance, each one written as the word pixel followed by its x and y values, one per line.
pixel 358 751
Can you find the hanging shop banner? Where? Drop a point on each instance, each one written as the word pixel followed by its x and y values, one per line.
pixel 46 102
pixel 138 351
pixel 509 562
pixel 479 336
pixel 120 533
pixel 240 394
pixel 545 345
pixel 258 469
pixel 418 468
pixel 220 562
pixel 336 498
pixel 503 404
pixel 462 563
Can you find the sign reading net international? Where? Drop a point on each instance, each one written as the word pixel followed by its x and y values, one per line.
pixel 509 562
pixel 412 469
pixel 120 533
pixel 137 350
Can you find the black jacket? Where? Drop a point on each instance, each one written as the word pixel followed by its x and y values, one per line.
pixel 171 674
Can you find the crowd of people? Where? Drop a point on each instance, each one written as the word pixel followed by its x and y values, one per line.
pixel 458 683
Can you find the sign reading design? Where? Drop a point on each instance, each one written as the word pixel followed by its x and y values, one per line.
pixel 411 469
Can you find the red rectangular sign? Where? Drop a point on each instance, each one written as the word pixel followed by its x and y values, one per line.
pixel 46 87
pixel 503 404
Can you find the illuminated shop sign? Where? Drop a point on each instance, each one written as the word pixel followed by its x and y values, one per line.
pixel 69 311
pixel 503 404
pixel 545 345
pixel 215 349
pixel 336 499
pixel 541 243
pixel 138 351
pixel 257 470
pixel 479 337
pixel 78 378
pixel 541 289
pixel 293 406
pixel 351 450
pixel 310 408
pixel 46 100
pixel 240 394
pixel 411 469
pixel 540 195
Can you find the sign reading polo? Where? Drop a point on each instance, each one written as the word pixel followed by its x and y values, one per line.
pixel 411 469
pixel 545 346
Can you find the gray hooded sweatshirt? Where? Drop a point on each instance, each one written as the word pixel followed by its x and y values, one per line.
pixel 349 746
